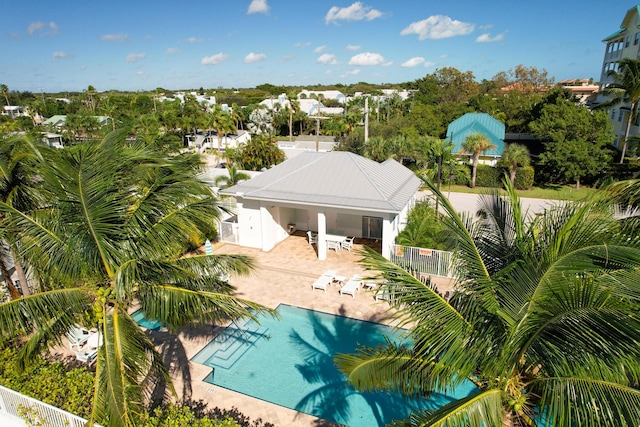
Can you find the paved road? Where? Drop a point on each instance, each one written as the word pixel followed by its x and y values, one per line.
pixel 465 202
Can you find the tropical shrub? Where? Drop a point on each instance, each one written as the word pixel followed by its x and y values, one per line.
pixel 488 176
pixel 423 230
pixel 524 178
pixel 50 382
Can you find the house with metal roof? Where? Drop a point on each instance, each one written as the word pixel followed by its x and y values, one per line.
pixel 483 123
pixel 333 192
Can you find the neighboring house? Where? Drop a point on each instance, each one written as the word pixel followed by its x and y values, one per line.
pixel 53 140
pixel 582 89
pixel 324 94
pixel 335 192
pixel 623 43
pixel 209 140
pixel 471 123
pixel 14 111
pixel 60 120
pixel 305 143
pixel 309 106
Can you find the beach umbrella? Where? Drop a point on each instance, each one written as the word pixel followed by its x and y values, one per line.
pixel 208 248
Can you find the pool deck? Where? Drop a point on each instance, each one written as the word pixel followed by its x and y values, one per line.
pixel 282 275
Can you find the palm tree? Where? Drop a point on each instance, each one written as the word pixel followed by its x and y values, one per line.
pixel 294 106
pixel 624 89
pixel 234 177
pixel 223 123
pixel 513 156
pixel 543 320
pixel 476 144
pixel 18 183
pixel 5 92
pixel 114 233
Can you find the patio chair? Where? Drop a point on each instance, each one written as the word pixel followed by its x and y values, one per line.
pixel 325 280
pixel 313 238
pixel 348 243
pixel 77 337
pixel 332 244
pixel 352 286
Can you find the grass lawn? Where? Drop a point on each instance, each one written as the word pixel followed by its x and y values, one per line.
pixel 548 192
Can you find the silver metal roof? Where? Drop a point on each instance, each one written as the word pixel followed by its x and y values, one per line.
pixel 333 179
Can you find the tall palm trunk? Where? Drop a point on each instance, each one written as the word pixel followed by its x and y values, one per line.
pixel 20 272
pixel 626 133
pixel 13 292
pixel 474 169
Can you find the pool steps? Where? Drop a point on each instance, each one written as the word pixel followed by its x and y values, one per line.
pixel 224 350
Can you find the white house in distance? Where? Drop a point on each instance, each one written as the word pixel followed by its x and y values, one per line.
pixel 335 192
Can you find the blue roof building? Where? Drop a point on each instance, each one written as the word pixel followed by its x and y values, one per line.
pixel 472 123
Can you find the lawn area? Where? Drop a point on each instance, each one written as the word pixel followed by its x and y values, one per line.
pixel 549 192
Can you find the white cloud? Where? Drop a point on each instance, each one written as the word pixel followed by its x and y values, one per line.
pixel 413 62
pixel 301 44
pixel 193 40
pixel 438 27
pixel 327 58
pixel 135 57
pixel 171 51
pixel 356 12
pixel 214 59
pixel 61 55
pixel 486 38
pixel 367 58
pixel 42 26
pixel 286 58
pixel 352 47
pixel 120 37
pixel 254 57
pixel 428 64
pixel 353 72
pixel 258 6
pixel 319 49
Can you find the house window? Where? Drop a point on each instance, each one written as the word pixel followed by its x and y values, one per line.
pixel 627 41
pixel 636 40
pixel 620 115
pixel 613 113
pixel 371 227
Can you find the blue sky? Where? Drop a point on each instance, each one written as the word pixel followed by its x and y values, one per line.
pixel 140 45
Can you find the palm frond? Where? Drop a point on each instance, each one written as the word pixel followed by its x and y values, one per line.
pixel 127 368
pixel 483 409
pixel 178 307
pixel 567 402
pixel 439 331
pixel 395 367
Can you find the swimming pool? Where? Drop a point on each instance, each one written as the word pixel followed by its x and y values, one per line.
pixel 289 362
pixel 141 320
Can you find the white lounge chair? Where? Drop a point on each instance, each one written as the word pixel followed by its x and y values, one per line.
pixel 325 280
pixel 77 337
pixel 352 286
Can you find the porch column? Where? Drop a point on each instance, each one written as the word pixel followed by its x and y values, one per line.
pixel 387 238
pixel 322 236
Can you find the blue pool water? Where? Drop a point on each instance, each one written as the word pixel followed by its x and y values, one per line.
pixel 289 362
pixel 152 324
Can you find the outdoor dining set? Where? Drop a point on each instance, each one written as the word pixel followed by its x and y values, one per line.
pixel 334 241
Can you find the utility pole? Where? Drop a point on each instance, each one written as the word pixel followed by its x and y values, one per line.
pixel 366 118
pixel 318 118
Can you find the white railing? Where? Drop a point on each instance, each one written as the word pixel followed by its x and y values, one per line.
pixel 421 261
pixel 36 412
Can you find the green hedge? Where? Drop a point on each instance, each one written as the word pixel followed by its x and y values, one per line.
pixel 488 176
pixel 524 178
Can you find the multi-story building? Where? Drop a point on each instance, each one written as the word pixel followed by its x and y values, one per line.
pixel 624 43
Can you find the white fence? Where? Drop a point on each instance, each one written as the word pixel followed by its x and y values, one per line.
pixel 421 261
pixel 37 412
